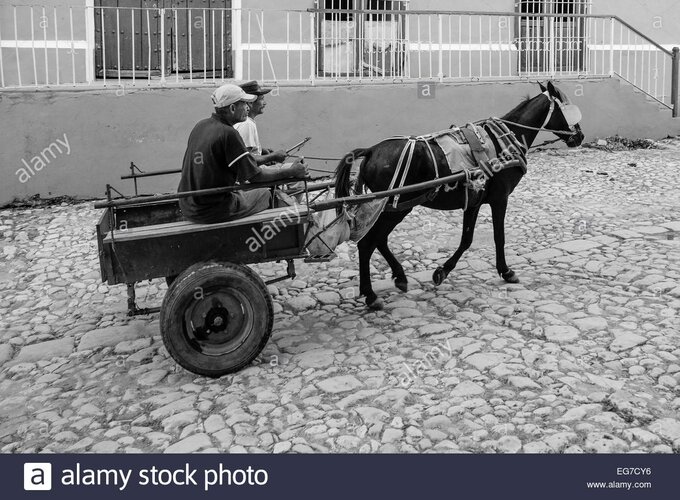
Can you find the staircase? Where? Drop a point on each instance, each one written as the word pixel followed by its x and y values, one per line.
pixel 641 62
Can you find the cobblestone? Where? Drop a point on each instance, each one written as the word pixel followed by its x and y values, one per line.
pixel 581 356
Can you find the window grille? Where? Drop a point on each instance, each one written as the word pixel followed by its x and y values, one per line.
pixel 361 44
pixel 550 39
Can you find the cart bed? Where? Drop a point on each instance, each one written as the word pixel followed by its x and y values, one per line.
pixel 132 254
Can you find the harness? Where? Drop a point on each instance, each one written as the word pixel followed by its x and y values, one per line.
pixel 512 154
pixel 404 164
pixel 570 112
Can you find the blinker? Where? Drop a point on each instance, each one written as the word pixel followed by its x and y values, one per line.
pixel 572 114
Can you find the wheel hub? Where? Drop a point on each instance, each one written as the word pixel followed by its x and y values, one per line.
pixel 218 322
pixel 217 319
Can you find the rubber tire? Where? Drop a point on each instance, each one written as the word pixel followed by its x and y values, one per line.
pixel 169 280
pixel 181 294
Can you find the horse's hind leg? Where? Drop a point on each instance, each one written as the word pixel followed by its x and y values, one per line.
pixel 498 209
pixel 469 222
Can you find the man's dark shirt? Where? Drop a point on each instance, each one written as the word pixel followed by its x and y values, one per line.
pixel 215 157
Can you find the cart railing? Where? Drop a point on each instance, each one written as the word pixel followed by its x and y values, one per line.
pixel 310 186
pixel 317 206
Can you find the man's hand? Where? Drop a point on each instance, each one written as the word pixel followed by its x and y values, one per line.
pixel 277 156
pixel 298 169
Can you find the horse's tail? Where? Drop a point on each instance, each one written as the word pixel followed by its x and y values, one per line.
pixel 344 169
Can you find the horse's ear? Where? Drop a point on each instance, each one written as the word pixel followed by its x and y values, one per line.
pixel 552 89
pixel 542 87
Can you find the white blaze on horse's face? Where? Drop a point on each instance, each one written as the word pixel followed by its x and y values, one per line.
pixel 572 114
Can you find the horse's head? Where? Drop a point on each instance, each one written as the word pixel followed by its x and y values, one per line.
pixel 563 117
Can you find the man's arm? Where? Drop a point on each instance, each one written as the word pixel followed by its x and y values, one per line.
pixel 263 159
pixel 297 170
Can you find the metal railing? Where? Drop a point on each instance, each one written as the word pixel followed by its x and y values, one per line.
pixel 68 46
pixel 616 48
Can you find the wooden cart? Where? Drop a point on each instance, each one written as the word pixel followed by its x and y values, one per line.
pixel 217 314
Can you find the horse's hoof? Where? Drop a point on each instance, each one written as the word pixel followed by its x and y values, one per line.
pixel 401 284
pixel 376 305
pixel 510 277
pixel 438 276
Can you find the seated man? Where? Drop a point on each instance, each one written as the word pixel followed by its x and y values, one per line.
pixel 248 128
pixel 248 131
pixel 216 157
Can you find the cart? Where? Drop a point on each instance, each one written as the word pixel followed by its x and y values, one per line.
pixel 217 314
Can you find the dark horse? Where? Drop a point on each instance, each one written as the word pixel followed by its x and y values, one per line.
pixel 549 110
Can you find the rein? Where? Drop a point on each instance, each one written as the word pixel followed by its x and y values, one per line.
pixel 545 143
pixel 572 132
pixel 540 129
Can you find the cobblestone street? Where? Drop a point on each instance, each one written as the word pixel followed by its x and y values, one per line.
pixel 582 356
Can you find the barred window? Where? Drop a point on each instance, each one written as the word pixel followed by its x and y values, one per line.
pixel 550 38
pixel 367 43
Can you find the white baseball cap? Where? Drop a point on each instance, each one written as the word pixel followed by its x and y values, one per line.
pixel 229 94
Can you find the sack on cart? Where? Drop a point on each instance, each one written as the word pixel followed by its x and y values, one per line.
pixel 326 231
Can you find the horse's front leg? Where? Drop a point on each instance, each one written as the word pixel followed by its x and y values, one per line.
pixel 398 274
pixel 498 209
pixel 469 222
pixel 377 238
pixel 366 248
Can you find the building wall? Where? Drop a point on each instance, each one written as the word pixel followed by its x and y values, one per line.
pixel 77 142
pixel 102 131
pixel 658 19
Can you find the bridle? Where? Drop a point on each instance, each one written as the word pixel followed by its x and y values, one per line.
pixel 554 103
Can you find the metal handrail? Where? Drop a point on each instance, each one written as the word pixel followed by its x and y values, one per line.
pixel 494 14
pixel 675 85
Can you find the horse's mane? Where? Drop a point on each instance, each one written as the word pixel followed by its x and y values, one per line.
pixel 520 106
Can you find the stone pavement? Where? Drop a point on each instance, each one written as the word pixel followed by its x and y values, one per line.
pixel 582 356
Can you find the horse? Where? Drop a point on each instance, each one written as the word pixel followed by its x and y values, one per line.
pixel 550 110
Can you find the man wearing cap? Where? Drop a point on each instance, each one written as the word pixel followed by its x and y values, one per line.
pixel 216 157
pixel 248 128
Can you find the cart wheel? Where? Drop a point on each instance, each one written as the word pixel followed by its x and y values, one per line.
pixel 216 318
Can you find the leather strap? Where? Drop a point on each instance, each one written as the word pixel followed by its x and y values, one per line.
pixel 425 197
pixel 404 163
pixel 508 142
pixel 552 108
pixel 409 147
pixel 477 148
